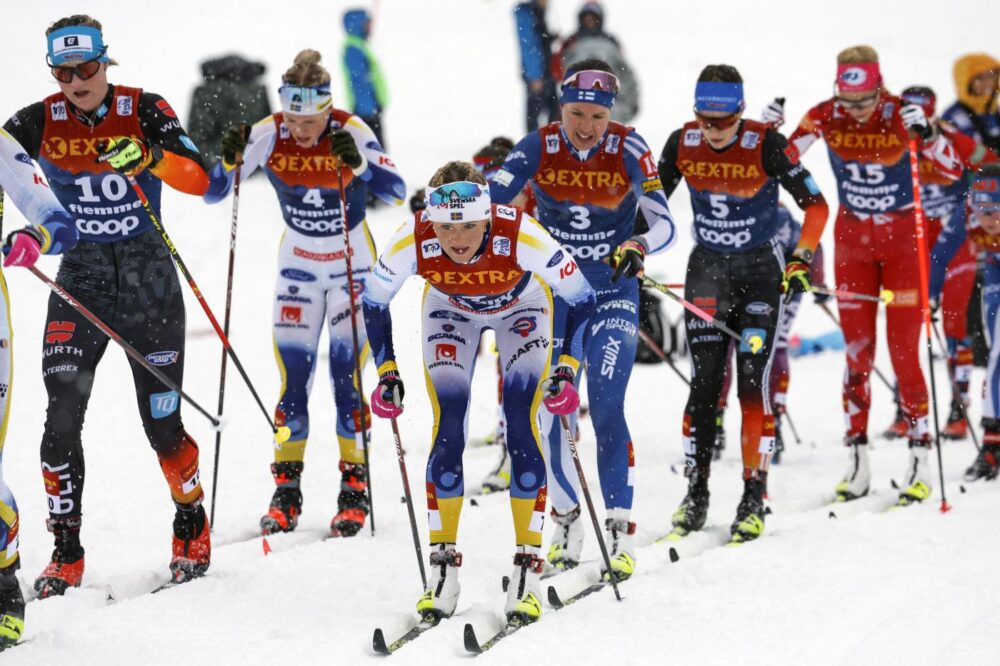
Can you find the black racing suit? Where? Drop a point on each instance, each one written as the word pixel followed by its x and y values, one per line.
pixel 129 282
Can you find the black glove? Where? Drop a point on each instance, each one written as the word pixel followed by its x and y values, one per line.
pixel 344 148
pixel 628 258
pixel 417 201
pixel 234 142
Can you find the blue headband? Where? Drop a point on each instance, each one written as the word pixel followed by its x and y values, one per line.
pixel 718 96
pixel 986 192
pixel 76 43
pixel 601 97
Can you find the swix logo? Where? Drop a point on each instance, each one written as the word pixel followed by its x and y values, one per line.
pixel 58 332
pixel 524 326
pixel 611 349
pixel 445 351
pixel 706 303
pixel 165 108
pixel 291 313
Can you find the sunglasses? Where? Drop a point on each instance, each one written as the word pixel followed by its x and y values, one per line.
pixel 593 79
pixel 863 103
pixel 725 122
pixel 85 70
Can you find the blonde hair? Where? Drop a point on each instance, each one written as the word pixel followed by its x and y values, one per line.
pixel 307 70
pixel 78 19
pixel 454 171
pixel 856 55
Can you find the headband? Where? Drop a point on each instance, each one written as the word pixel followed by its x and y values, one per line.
pixel 305 100
pixel 718 96
pixel 76 43
pixel 858 77
pixel 462 201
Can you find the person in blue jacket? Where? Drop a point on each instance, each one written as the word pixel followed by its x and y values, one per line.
pixel 535 43
pixel 367 94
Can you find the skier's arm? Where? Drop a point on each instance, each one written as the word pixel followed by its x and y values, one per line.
pixel 376 168
pixel 539 253
pixel 670 175
pixel 646 183
pixel 398 262
pixel 181 166
pixel 952 235
pixel 797 181
pixel 26 126
pixel 23 181
pixel 257 152
pixel 805 135
pixel 520 166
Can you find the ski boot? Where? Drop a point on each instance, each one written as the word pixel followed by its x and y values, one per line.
pixel 691 514
pixel 900 427
pixel 749 523
pixel 567 542
pixel 618 532
pixel 987 463
pixel 917 479
pixel 66 568
pixel 441 596
pixel 720 434
pixel 957 427
pixel 286 503
pixel 352 504
pixel 192 543
pixel 11 608
pixel 499 479
pixel 857 479
pixel 524 592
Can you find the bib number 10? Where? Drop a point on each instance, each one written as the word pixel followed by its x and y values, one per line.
pixel 113 188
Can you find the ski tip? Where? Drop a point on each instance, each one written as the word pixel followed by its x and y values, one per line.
pixel 471 642
pixel 378 643
pixel 895 486
pixel 674 557
pixel 473 501
pixel 962 489
pixel 554 599
pixel 505 583
pixel 832 515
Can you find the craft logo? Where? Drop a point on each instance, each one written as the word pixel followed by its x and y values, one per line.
pixel 58 332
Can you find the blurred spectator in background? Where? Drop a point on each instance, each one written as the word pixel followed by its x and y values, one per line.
pixel 977 82
pixel 232 93
pixel 591 41
pixel 535 42
pixel 367 94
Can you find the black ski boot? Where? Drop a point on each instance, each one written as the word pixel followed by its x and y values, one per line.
pixel 11 608
pixel 286 503
pixel 690 516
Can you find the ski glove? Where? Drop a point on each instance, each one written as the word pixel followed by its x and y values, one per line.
pixel 774 113
pixel 915 120
pixel 387 398
pixel 344 148
pixel 23 247
pixel 628 258
pixel 796 279
pixel 127 155
pixel 234 142
pixel 561 397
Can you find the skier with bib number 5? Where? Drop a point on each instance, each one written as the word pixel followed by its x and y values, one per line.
pixel 90 139
pixel 300 149
pixel 867 132
pixel 590 175
pixel 737 272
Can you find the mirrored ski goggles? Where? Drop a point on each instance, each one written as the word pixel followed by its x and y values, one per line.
pixel 305 101
pixel 462 201
pixel 83 71
pixel 720 123
pixel 593 79
pixel 862 103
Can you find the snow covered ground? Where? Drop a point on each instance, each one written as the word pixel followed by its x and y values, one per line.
pixel 914 587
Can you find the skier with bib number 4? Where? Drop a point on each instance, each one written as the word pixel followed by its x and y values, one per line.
pixel 590 175
pixel 90 139
pixel 737 272
pixel 300 149
pixel 867 132
pixel 486 266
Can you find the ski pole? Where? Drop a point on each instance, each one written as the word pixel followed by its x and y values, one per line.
pixel 280 434
pixel 955 389
pixel 754 342
pixel 568 435
pixel 662 355
pixel 129 349
pixel 362 421
pixel 878 373
pixel 922 261
pixel 791 424
pixel 225 325
pixel 885 296
pixel 401 456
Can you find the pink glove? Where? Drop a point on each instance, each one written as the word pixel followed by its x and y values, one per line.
pixel 561 397
pixel 23 248
pixel 387 398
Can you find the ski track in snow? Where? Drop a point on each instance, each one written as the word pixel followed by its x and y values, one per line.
pixel 914 586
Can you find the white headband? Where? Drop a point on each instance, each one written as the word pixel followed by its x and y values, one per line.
pixel 303 100
pixel 462 201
